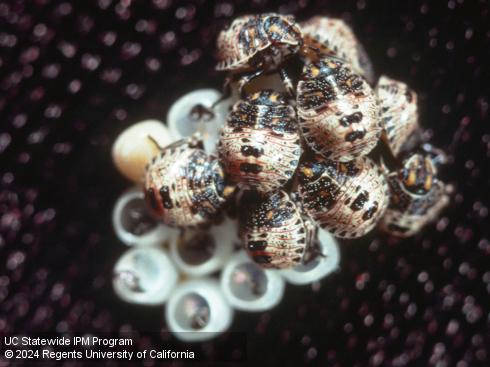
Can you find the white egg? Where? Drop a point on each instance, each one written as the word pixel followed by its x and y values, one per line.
pixel 321 266
pixel 144 276
pixel 198 252
pixel 133 148
pixel 135 225
pixel 185 117
pixel 248 287
pixel 197 310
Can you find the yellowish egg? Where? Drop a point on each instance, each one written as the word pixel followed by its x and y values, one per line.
pixel 134 148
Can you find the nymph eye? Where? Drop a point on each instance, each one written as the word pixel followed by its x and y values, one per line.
pixel 144 275
pixel 197 310
pixel 249 287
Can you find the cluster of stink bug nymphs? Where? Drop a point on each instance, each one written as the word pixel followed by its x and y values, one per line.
pixel 329 146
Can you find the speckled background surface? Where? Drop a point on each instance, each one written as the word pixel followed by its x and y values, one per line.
pixel 75 74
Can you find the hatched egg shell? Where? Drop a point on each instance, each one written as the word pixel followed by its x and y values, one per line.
pixel 144 275
pixel 132 149
pixel 248 287
pixel 183 123
pixel 197 310
pixel 198 252
pixel 321 266
pixel 134 223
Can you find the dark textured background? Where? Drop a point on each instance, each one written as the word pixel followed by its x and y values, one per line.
pixel 75 74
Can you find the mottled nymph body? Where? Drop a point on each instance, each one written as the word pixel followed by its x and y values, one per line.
pixel 337 110
pixel 347 199
pixel 253 44
pixel 416 197
pixel 258 41
pixel 398 111
pixel 184 185
pixel 331 36
pixel 275 234
pixel 259 145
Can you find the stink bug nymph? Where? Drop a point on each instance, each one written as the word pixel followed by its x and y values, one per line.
pixel 416 197
pixel 259 145
pixel 331 36
pixel 253 44
pixel 275 234
pixel 398 112
pixel 337 110
pixel 184 185
pixel 347 199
